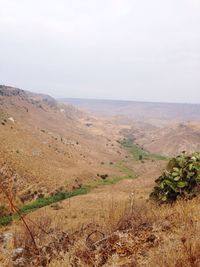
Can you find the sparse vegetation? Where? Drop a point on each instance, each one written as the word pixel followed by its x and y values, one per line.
pixel 45 201
pixel 181 179
pixel 3 210
pixel 139 234
pixel 115 225
pixel 42 202
pixel 138 153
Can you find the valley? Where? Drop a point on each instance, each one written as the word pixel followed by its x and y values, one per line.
pixel 67 166
pixel 99 133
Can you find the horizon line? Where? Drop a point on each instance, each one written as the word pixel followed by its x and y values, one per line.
pixel 125 100
pixel 104 99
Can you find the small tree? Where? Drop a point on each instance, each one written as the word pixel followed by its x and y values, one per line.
pixel 140 157
pixel 181 179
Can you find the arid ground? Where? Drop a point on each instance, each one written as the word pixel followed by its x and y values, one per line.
pixel 75 183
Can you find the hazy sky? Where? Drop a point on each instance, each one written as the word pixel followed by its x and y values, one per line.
pixel 114 49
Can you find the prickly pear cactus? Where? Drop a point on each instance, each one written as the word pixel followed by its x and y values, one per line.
pixel 181 179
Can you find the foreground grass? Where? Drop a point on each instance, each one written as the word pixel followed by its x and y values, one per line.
pixel 46 201
pixel 138 153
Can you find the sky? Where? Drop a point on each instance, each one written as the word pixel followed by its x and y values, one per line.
pixel 144 50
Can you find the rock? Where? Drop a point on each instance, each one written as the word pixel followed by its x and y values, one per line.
pixel 5 239
pixel 19 263
pixel 151 238
pixel 17 258
pixel 11 119
pixel 17 253
pixel 56 206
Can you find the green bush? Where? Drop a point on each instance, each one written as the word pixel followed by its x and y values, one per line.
pixel 181 179
pixel 137 152
pixel 5 220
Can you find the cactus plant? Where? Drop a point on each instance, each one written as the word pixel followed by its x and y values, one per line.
pixel 181 179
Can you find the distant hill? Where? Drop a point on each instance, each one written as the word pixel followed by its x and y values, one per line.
pixel 160 128
pixel 168 140
pixel 139 111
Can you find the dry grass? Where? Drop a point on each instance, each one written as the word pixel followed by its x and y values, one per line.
pixel 125 231
pixel 181 247
pixel 148 235
pixel 141 234
pixel 50 241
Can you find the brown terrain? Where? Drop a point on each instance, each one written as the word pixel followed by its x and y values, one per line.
pixel 169 140
pixel 54 147
pixel 139 111
pixel 51 145
pixel 161 128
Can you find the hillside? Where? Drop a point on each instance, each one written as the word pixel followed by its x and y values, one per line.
pixel 50 146
pixel 161 128
pixel 183 136
pixel 169 140
pixel 81 190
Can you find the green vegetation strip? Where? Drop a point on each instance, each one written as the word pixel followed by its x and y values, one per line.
pixel 138 153
pixel 127 174
pixel 42 202
pixel 46 201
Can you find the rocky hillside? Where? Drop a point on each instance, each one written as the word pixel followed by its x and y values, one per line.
pixel 161 128
pixel 168 140
pixel 50 146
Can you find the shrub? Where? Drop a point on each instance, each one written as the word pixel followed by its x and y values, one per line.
pixel 181 179
pixel 140 157
pixel 3 211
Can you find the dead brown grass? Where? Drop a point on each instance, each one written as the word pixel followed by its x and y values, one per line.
pixel 144 234
pixel 51 242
